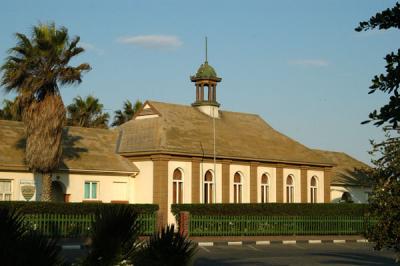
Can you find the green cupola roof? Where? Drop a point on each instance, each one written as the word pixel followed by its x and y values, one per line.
pixel 206 71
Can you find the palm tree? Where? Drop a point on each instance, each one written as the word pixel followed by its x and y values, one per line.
pixel 11 110
pixel 129 110
pixel 36 68
pixel 87 112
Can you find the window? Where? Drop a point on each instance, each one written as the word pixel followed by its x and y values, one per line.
pixel 313 190
pixel 177 187
pixel 91 188
pixel 208 187
pixel 264 188
pixel 237 188
pixel 5 190
pixel 289 189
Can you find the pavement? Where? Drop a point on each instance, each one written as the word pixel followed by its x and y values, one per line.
pixel 294 254
pixel 288 253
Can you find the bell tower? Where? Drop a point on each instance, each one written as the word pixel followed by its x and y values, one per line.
pixel 206 80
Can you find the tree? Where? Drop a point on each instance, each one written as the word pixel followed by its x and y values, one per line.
pixel 390 81
pixel 127 113
pixel 11 110
pixel 87 112
pixel 384 201
pixel 35 69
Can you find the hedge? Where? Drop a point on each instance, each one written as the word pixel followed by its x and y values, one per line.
pixel 273 209
pixel 71 208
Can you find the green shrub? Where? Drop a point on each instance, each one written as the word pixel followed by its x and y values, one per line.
pixel 165 248
pixel 114 237
pixel 71 208
pixel 21 246
pixel 273 209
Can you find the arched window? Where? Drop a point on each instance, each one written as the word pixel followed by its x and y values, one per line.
pixel 289 189
pixel 313 189
pixel 177 187
pixel 208 187
pixel 237 188
pixel 264 188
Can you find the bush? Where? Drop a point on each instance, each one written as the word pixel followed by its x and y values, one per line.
pixel 273 209
pixel 114 236
pixel 71 208
pixel 165 248
pixel 21 246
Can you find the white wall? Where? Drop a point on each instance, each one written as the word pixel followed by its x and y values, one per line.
pixel 358 194
pixel 16 178
pixel 320 185
pixel 143 183
pixel 186 168
pixel 244 171
pixel 297 184
pixel 272 182
pixel 110 187
pixel 107 190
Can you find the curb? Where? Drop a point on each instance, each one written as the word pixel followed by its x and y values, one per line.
pixel 258 243
pixel 72 247
pixel 282 242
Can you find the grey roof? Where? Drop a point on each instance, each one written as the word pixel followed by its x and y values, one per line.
pixel 87 149
pixel 182 129
pixel 347 170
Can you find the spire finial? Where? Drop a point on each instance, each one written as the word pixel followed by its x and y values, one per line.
pixel 206 50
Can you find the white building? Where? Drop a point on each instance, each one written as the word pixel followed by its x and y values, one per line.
pixel 170 153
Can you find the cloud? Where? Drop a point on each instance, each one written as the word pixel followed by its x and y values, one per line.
pixel 309 62
pixel 92 48
pixel 152 41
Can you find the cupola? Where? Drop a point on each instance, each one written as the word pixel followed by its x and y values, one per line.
pixel 206 78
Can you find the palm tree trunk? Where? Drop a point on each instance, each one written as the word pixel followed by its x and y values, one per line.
pixel 46 187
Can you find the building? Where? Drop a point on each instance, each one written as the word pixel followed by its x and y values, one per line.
pixel 171 153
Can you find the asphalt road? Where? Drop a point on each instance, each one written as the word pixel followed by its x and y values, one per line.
pixel 290 254
pixel 294 254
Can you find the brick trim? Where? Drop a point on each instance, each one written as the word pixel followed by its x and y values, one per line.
pixel 303 184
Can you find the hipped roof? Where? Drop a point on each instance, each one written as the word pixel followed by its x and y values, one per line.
pixel 84 149
pixel 347 170
pixel 181 129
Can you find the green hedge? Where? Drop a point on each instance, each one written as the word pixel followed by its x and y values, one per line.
pixel 274 209
pixel 71 208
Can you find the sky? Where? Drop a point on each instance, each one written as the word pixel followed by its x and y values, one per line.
pixel 298 64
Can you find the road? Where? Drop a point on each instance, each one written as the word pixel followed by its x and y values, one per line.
pixel 294 254
pixel 291 254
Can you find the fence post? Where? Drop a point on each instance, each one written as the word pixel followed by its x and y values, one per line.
pixel 184 223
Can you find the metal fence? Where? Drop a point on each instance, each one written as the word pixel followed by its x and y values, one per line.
pixel 77 225
pixel 201 225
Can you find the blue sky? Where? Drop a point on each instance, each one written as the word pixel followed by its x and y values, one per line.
pixel 298 64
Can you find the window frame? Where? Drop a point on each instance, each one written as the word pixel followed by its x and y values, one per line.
pixel 238 188
pixel 3 194
pixel 264 188
pixel 208 197
pixel 91 182
pixel 314 190
pixel 290 189
pixel 177 187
